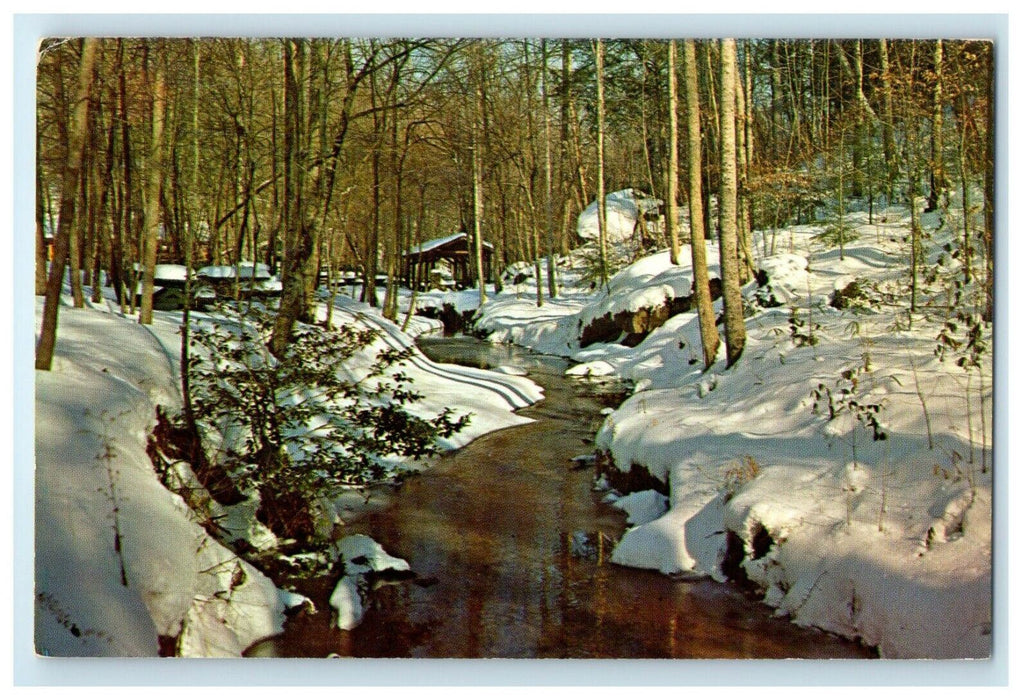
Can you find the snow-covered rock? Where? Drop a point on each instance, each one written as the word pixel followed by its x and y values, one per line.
pixel 624 214
pixel 346 601
pixel 361 554
pixel 642 507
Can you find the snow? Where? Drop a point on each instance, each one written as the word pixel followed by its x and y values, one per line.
pixel 100 398
pixel 426 246
pixel 373 556
pixel 886 541
pixel 360 556
pixel 244 270
pixel 622 213
pixel 170 273
pixel 346 601
pixel 489 396
pixel 642 507
pixel 94 411
pixel 462 300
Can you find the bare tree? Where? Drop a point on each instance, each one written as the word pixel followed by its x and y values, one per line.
pixel 601 193
pixel 155 171
pixel 701 284
pixel 735 331
pixel 671 207
pixel 889 147
pixel 78 121
pixel 548 184
pixel 937 176
pixel 298 242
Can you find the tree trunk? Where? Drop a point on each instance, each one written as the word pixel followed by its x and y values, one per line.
pixel 75 238
pixel 79 120
pixel 701 287
pixel 152 205
pixel 735 331
pixel 190 234
pixel 527 168
pixel 742 218
pixel 478 134
pixel 889 147
pixel 937 184
pixel 914 187
pixel 41 247
pixel 548 183
pixel 96 207
pixel 371 266
pixel 298 244
pixel 127 284
pixel 601 192
pixel 671 206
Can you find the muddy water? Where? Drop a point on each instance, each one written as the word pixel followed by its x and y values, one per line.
pixel 511 547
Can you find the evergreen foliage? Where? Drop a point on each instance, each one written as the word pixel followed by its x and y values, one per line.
pixel 304 427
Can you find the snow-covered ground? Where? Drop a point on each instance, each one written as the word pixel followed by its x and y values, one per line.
pixel 885 540
pixel 121 561
pixel 97 493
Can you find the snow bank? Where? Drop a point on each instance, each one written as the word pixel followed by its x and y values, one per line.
pixel 887 541
pixel 462 300
pixel 489 397
pixel 95 483
pixel 101 509
pixel 555 328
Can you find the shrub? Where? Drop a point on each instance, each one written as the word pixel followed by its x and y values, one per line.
pixel 739 474
pixel 304 426
pixel 836 235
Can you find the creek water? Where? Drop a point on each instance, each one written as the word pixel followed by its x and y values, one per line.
pixel 510 547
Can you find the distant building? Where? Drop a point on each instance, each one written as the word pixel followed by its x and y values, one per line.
pixel 444 262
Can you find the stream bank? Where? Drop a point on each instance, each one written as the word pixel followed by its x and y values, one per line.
pixel 510 547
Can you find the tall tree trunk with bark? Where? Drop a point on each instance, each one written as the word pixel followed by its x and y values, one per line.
pixel 889 146
pixel 735 330
pixel 701 286
pixel 79 120
pixel 912 157
pixel 548 183
pixel 193 219
pixel 297 239
pixel 127 284
pixel 937 176
pixel 742 168
pixel 369 294
pixel 601 192
pixel 671 206
pixel 76 238
pixel 152 205
pixel 41 247
pixel 478 136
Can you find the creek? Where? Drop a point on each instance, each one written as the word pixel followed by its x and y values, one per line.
pixel 510 546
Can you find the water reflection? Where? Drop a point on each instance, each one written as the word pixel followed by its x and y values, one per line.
pixel 511 551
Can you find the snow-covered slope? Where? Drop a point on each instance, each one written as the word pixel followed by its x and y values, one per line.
pixel 101 509
pixel 97 493
pixel 886 540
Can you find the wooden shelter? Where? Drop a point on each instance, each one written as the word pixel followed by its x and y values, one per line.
pixel 452 254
